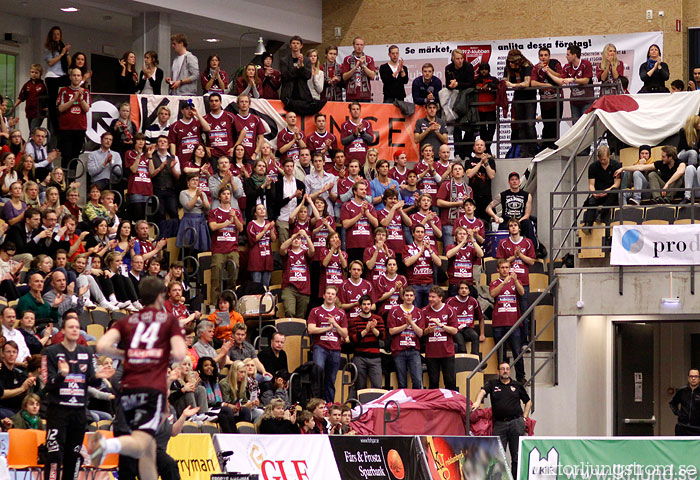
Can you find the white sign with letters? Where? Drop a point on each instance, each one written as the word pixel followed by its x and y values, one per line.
pixel 655 245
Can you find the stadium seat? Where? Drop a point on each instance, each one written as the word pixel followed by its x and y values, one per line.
pixel 293 329
pixel 104 425
pixel 23 450
pixel 109 463
pixel 538 266
pixel 172 249
pixel 685 214
pixel 592 238
pixel 629 156
pixel 210 427
pixel 538 282
pixel 627 216
pixel 96 330
pixel 486 346
pixel 465 363
pixel 490 266
pixel 656 154
pixel 85 319
pixel 543 313
pixel 368 394
pixel 118 315
pixel 246 427
pixel 342 379
pixel 190 427
pixel 661 215
pixel 101 316
pixel 276 277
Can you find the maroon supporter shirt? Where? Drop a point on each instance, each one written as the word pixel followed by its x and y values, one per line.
pixel 350 292
pixel 317 141
pixel 357 149
pixel 407 339
pixel 296 271
pixel 505 306
pixel 345 185
pixel 507 248
pixel 382 285
pixel 185 136
pixel 139 182
pixel 146 338
pixel 330 340
pixel 358 87
pixel 253 128
pixel 461 266
pixel 260 253
pixel 74 118
pixel 220 137
pixel 295 227
pixel 204 175
pixel 224 240
pixel 539 75
pixel 394 231
pixel 462 191
pixel 421 272
pixel 474 224
pixel 398 176
pixel 439 344
pixel 320 237
pixel 442 168
pixel 31 92
pixel 333 274
pixel 584 70
pixel 358 235
pixel 283 138
pixel 427 184
pixel 418 217
pixel 380 263
pixel 467 311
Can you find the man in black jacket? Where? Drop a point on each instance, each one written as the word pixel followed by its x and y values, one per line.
pixel 394 76
pixel 682 405
pixel 26 235
pixel 286 198
pixel 459 75
pixel 296 71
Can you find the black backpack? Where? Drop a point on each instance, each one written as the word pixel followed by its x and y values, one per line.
pixel 306 383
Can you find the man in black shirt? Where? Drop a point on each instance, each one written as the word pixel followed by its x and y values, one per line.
pixel 394 76
pixel 459 75
pixel 515 203
pixel 274 358
pixel 601 176
pixel 14 383
pixel 666 173
pixel 685 404
pixel 480 168
pixel 508 416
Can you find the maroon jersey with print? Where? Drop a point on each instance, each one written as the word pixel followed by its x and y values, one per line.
pixel 357 149
pixel 320 237
pixel 407 339
pixel 507 248
pixel 333 273
pixel 380 263
pixel 427 184
pixel 317 141
pixel 474 224
pixel 418 217
pixel 350 292
pixel 505 306
pixel 584 70
pixel 462 191
pixel 394 231
pixel 331 339
pixel 439 343
pixel 296 271
pixel 384 284
pixel 399 176
pixel 139 182
pixel 467 311
pixel 358 235
pixel 32 91
pixel 295 227
pixel 224 240
pixel 421 272
pixel 283 138
pixel 185 136
pixel 74 118
pixel 253 128
pixel 220 137
pixel 146 338
pixel 260 253
pixel 461 266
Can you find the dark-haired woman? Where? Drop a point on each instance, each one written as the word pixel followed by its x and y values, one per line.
pixel 128 79
pixel 151 76
pixel 58 60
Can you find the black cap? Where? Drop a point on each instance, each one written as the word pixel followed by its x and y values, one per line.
pixel 645 147
pixel 265 55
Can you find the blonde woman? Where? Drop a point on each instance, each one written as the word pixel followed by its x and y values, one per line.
pixel 277 419
pixel 30 194
pixel 233 391
pixel 52 200
pixel 25 168
pixel 316 81
pixel 610 69
pixel 369 170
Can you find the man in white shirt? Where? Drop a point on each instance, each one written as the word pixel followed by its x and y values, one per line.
pixel 8 319
pixel 288 193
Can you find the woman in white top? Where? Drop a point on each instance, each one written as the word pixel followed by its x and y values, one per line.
pixel 316 80
pixel 8 175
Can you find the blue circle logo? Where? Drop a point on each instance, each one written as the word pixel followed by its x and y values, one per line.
pixel 632 241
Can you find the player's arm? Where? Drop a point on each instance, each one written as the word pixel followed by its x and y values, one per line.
pixel 178 348
pixel 107 344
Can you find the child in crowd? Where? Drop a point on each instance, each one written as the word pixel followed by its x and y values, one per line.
pixel 334 426
pixel 28 418
pixel 317 408
pixel 225 304
pixel 305 422
pixel 35 93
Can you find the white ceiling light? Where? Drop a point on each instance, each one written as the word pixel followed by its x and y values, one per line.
pixel 212 40
pixel 69 9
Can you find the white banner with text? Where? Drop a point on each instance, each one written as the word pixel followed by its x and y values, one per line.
pixel 655 245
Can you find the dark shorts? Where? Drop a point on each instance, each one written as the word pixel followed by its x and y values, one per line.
pixel 143 409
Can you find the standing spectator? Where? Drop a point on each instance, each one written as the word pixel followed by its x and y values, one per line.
pixel 195 204
pixel 73 104
pixel 518 73
pixel 296 286
pixel 160 127
pixel 469 221
pixel 333 82
pixel 248 82
pixel 214 80
pixel 365 332
pixel 79 61
pixel 376 257
pixel 450 199
pixel 694 84
pixel 425 88
pixel 480 170
pixel 288 193
pixel 220 135
pixel 430 130
pixel 611 69
pixel 321 140
pixel 422 259
pixel 290 140
pixel 505 291
pixel 165 172
pixel 319 182
pixel 328 327
pixel 388 287
pixel 668 172
pixel 399 171
pixel 487 88
pixel 57 57
pixel 226 223
pixel 405 326
pixel 381 183
pixel 185 134
pixel 356 134
pixel 441 326
pixel 515 203
pixel 104 162
pixel 358 70
pixel 270 78
pixel 550 99
pixel 601 176
pixel 184 72
pixel 261 234
pixel 358 218
pixel 682 405
pixel 34 92
pixel 509 419
pixel 459 75
pixel 394 218
pixel 151 76
pixel 577 72
pixel 430 220
pixel 352 289
pixel 249 129
pixel 394 76
pixel 316 81
pixel 127 80
pixel 654 72
pixel 123 130
pixel 334 261
pixel 296 71
pixel 468 310
pixel 258 191
pixel 462 256
pixel 140 189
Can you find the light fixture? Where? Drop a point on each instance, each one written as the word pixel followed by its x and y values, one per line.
pixel 69 9
pixel 212 40
pixel 260 49
pixel 671 300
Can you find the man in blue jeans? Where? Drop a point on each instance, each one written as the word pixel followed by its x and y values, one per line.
pixel 405 324
pixel 328 328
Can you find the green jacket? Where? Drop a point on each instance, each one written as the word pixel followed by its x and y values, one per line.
pixel 41 310
pixel 227 393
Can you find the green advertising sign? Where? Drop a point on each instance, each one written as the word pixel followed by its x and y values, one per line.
pixel 622 458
